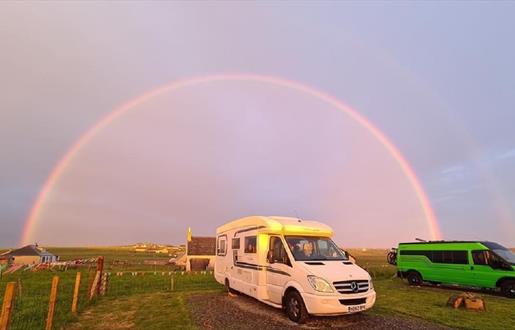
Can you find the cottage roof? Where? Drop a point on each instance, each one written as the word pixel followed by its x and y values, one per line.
pixel 202 246
pixel 29 250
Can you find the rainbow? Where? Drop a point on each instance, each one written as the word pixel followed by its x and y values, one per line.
pixel 281 82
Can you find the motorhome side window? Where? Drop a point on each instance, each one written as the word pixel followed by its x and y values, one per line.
pixel 250 244
pixel 222 243
pixel 277 252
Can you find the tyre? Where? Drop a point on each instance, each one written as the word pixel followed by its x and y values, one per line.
pixel 414 278
pixel 508 288
pixel 227 287
pixel 295 308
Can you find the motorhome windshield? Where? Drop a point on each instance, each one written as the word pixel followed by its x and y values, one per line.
pixel 314 248
pixel 501 251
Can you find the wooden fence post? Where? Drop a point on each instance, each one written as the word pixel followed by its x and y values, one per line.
pixel 104 284
pixel 94 286
pixel 76 293
pixel 7 305
pixel 100 269
pixel 172 283
pixel 51 303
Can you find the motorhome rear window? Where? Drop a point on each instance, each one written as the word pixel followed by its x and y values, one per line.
pixel 441 257
pixel 236 243
pixel 222 245
pixel 250 244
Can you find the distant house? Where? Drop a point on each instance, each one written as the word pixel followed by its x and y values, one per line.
pixel 29 255
pixel 200 252
pixel 5 260
pixel 162 250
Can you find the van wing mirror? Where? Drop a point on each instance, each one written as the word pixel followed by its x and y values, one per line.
pixel 270 257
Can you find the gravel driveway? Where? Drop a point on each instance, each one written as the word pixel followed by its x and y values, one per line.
pixel 220 311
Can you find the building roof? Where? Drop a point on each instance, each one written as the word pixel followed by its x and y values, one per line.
pixel 201 246
pixel 29 250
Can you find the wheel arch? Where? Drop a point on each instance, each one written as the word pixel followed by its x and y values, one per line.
pixel 291 286
pixel 503 279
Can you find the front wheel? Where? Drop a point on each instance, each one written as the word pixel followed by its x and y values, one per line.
pixel 295 308
pixel 414 278
pixel 508 288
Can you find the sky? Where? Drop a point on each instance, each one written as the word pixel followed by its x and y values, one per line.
pixel 434 77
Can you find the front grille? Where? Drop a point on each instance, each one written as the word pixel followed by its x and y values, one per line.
pixel 352 302
pixel 352 286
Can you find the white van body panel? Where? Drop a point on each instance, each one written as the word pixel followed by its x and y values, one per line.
pixel 248 271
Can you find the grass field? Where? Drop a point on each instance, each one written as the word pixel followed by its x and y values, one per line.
pixel 134 259
pixel 152 304
pixel 32 296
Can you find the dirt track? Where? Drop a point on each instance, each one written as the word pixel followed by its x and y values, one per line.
pixel 242 312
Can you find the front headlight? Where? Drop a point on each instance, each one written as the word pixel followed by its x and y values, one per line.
pixel 319 284
pixel 371 284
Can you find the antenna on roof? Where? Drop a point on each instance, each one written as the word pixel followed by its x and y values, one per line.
pixel 297 216
pixel 420 239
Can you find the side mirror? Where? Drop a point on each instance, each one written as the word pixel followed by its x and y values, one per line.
pixel 269 257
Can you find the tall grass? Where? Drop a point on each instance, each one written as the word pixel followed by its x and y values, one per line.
pixel 31 303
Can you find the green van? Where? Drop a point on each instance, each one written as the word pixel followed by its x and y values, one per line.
pixel 465 263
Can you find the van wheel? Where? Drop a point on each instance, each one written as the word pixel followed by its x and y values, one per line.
pixel 508 288
pixel 295 308
pixel 414 278
pixel 227 287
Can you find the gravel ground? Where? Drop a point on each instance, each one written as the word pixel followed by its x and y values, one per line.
pixel 241 312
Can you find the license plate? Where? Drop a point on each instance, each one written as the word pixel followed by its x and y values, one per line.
pixel 357 308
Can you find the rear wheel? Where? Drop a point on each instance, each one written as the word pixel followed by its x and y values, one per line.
pixel 227 287
pixel 508 288
pixel 414 278
pixel 295 308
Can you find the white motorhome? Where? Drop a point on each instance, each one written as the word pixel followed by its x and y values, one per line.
pixel 292 264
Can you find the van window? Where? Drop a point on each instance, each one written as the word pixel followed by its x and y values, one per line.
pixel 222 245
pixel 486 257
pixel 440 257
pixel 277 252
pixel 250 244
pixel 480 257
pixel 235 243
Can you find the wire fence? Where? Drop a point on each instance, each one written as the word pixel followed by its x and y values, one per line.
pixel 32 293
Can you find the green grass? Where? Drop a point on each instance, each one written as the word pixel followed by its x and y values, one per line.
pixel 152 304
pixel 135 259
pixel 395 296
pixel 165 310
pixel 31 304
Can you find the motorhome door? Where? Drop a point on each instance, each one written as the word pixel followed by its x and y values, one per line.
pixel 279 269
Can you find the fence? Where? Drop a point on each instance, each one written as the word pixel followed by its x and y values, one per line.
pixel 49 300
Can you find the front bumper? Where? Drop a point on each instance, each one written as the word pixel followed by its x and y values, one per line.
pixel 331 305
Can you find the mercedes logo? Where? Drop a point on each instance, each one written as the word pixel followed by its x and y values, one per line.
pixel 354 286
